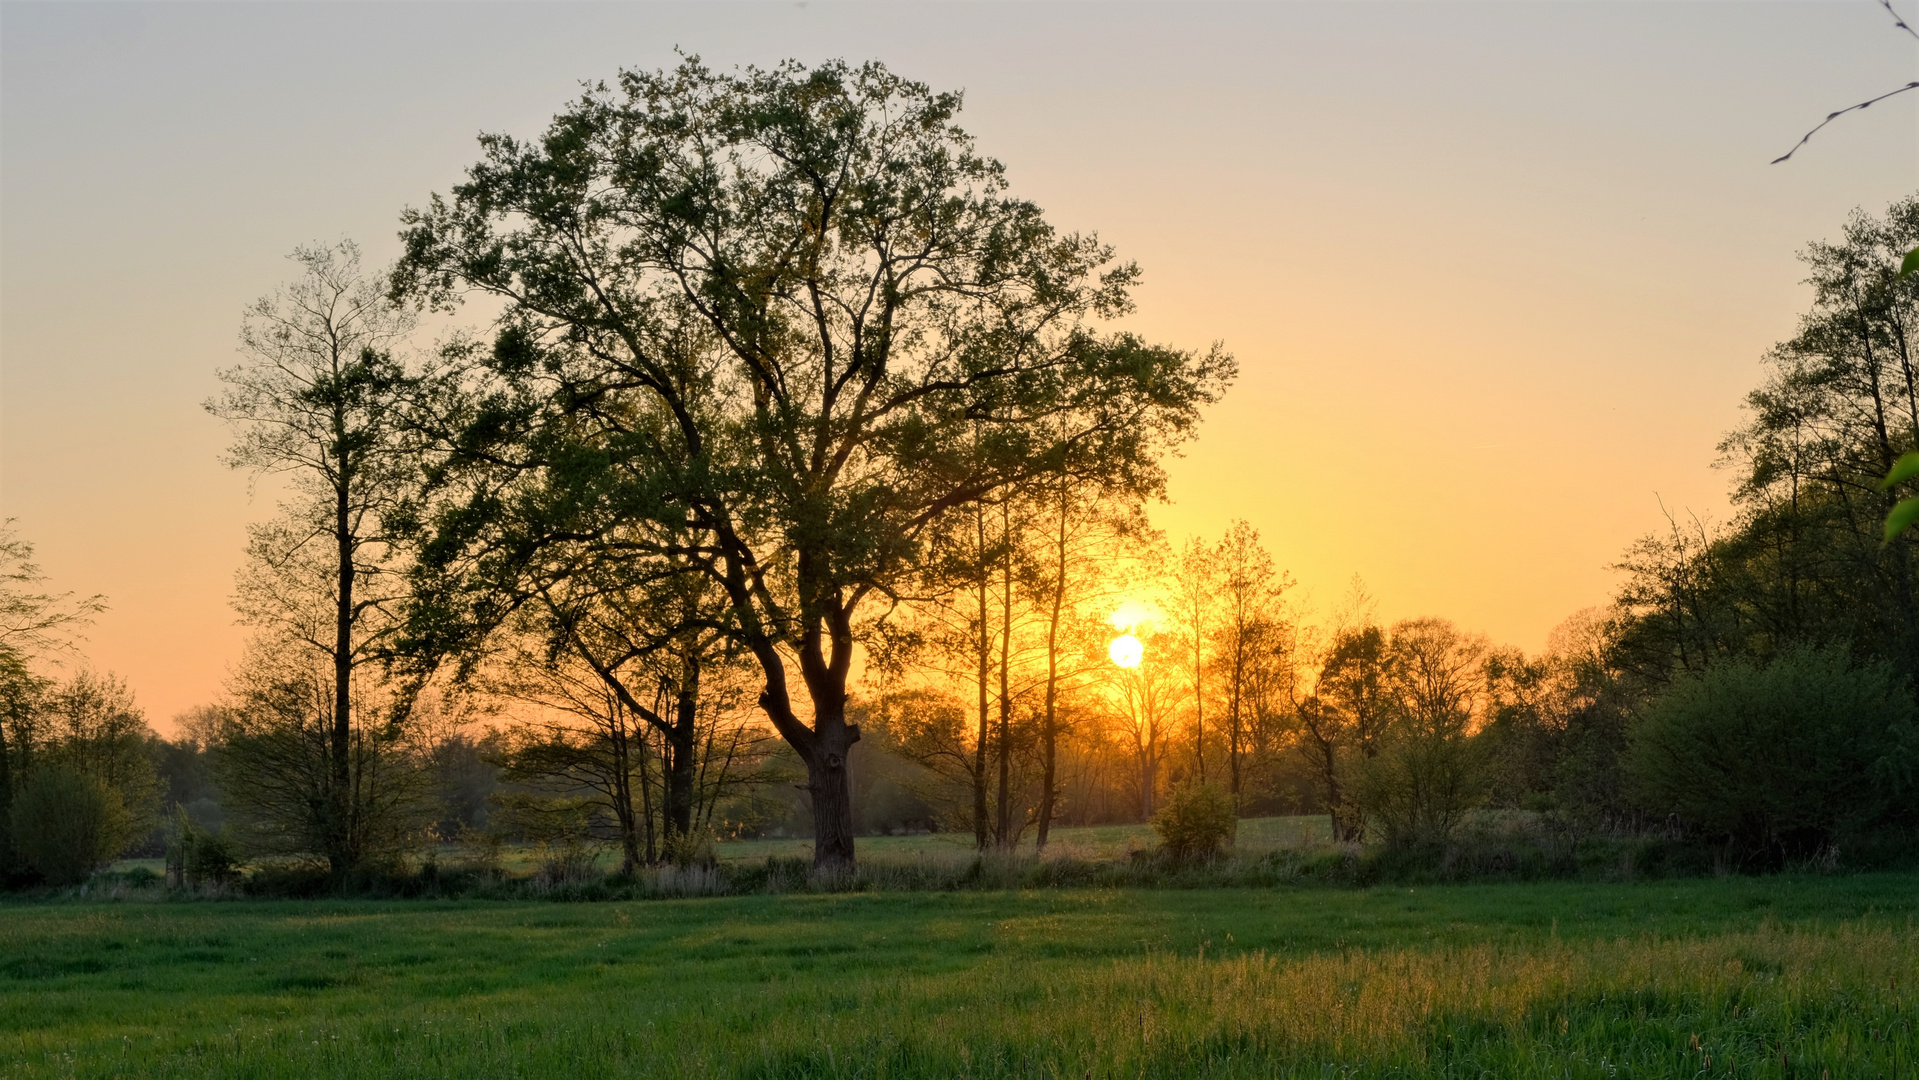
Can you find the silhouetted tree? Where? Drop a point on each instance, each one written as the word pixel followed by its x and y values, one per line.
pixel 795 309
pixel 321 400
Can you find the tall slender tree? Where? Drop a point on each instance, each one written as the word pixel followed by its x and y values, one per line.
pixel 1248 635
pixel 320 399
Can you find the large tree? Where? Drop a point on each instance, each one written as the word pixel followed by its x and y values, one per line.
pixel 796 310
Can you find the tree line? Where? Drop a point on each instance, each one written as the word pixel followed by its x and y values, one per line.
pixel 792 430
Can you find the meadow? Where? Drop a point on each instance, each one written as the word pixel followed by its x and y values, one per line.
pixel 1787 976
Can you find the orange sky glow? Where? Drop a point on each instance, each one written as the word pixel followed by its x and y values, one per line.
pixel 1497 275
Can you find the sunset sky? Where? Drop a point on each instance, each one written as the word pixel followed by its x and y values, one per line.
pixel 1497 275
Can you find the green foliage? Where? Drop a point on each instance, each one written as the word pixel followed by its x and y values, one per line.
pixel 1785 756
pixel 1572 981
pixel 1196 821
pixel 67 824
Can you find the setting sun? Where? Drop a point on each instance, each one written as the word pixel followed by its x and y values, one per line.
pixel 1126 651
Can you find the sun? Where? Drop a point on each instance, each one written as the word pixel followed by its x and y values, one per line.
pixel 1126 651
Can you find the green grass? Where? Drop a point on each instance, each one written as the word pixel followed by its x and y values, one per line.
pixel 1753 977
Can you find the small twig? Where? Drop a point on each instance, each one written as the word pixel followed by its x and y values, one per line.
pixel 1830 117
pixel 1896 20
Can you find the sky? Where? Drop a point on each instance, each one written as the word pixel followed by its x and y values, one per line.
pixel 1498 275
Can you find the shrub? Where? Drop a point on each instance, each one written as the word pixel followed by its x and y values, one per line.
pixel 1783 757
pixel 1421 786
pixel 691 849
pixel 1196 821
pixel 68 824
pixel 198 856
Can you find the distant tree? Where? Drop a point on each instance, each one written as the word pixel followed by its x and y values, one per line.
pixel 36 628
pixel 1145 702
pixel 91 725
pixel 67 824
pixel 321 400
pixel 1249 638
pixel 1084 536
pixel 1344 720
pixel 1193 584
pixel 623 676
pixel 1426 772
pixel 657 641
pixel 1781 757
pixel 796 309
pixel 1805 561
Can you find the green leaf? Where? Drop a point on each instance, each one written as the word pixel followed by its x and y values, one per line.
pixel 1903 470
pixel 1901 518
pixel 1911 265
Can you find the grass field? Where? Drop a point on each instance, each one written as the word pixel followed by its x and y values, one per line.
pixel 1749 977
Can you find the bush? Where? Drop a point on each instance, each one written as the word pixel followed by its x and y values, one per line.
pixel 1421 786
pixel 198 856
pixel 1784 758
pixel 1196 821
pixel 67 824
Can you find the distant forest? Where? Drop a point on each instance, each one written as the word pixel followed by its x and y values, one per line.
pixel 799 487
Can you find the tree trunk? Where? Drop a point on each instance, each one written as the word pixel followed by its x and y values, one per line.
pixel 646 803
pixel 1049 731
pixel 985 658
pixel 1199 703
pixel 829 779
pixel 623 795
pixel 339 810
pixel 1234 721
pixel 682 756
pixel 6 805
pixel 1003 826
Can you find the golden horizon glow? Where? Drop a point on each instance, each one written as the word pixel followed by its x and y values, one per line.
pixel 1126 651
